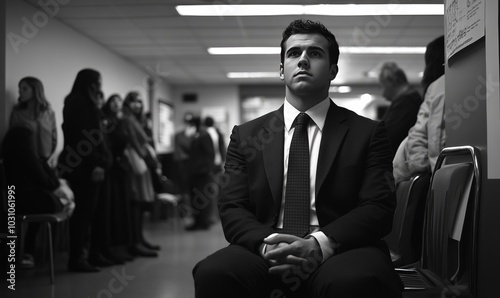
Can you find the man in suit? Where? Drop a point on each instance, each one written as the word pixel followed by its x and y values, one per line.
pixel 351 201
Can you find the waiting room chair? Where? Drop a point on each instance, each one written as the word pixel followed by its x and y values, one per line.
pixel 405 239
pixel 449 250
pixel 45 218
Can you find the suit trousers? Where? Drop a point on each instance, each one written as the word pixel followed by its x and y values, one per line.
pixel 234 271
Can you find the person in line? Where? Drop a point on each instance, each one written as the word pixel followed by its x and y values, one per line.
pixel 219 158
pixel 306 196
pixel 200 165
pixel 182 145
pixel 84 162
pixel 419 151
pixel 120 197
pixel 100 253
pixel 34 111
pixel 141 183
pixel 405 102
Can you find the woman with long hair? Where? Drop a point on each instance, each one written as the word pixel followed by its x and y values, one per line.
pixel 34 112
pixel 141 184
pixel 419 151
pixel 84 161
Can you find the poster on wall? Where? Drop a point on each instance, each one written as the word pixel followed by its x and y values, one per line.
pixel 464 24
pixel 166 129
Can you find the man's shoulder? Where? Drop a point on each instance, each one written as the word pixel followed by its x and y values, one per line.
pixel 352 117
pixel 270 118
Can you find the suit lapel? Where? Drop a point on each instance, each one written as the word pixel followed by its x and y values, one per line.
pixel 273 139
pixel 332 136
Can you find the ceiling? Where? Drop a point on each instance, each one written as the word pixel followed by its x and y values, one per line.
pixel 152 35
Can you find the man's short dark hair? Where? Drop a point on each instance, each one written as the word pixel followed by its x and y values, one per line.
pixel 310 27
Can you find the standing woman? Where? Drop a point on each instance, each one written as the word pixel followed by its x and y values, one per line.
pixel 83 161
pixel 34 112
pixel 141 183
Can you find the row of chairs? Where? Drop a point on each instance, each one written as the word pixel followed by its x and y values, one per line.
pixel 434 238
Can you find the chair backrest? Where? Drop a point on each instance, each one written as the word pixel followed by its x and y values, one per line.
pixel 405 239
pixel 449 247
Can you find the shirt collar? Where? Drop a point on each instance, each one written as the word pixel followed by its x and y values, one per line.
pixel 317 113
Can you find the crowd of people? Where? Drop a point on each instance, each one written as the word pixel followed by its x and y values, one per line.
pixel 107 174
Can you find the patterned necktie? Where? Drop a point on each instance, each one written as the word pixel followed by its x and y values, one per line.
pixel 297 201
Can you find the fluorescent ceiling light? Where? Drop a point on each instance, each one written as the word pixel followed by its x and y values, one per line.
pixel 382 50
pixel 319 9
pixel 252 75
pixel 244 50
pixel 343 50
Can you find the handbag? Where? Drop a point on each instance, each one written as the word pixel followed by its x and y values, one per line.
pixel 136 162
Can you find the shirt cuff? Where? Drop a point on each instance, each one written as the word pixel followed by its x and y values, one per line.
pixel 326 244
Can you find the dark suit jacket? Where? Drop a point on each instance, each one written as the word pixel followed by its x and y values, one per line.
pixel 355 201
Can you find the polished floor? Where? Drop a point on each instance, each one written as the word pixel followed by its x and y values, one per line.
pixel 168 276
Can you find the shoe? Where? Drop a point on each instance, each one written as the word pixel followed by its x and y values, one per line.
pixel 114 258
pixel 123 253
pixel 82 265
pixel 150 246
pixel 140 251
pixel 99 260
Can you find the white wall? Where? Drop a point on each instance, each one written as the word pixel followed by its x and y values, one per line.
pixel 209 96
pixel 53 52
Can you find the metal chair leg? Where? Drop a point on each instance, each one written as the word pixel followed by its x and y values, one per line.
pixel 51 252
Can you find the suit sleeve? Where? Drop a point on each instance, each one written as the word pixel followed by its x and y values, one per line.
pixel 238 213
pixel 371 217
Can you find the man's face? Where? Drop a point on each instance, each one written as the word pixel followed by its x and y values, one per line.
pixel 306 67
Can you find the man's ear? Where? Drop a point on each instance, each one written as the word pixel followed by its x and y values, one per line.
pixel 334 70
pixel 282 75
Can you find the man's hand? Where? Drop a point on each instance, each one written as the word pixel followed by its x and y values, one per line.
pixel 284 252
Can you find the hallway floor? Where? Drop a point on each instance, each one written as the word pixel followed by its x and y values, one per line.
pixel 168 276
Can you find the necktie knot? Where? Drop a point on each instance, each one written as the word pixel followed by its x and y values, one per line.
pixel 302 119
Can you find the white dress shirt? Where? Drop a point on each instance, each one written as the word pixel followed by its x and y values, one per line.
pixel 318 116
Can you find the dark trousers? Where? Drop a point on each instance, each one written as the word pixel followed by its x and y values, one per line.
pixel 202 192
pixel 86 203
pixel 235 271
pixel 101 231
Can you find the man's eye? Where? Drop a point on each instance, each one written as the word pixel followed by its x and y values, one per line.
pixel 315 54
pixel 293 54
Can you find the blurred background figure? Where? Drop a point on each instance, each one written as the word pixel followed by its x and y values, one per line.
pixel 34 111
pixel 200 165
pixel 419 151
pixel 120 217
pixel 84 162
pixel 141 159
pixel 182 147
pixel 218 163
pixel 100 254
pixel 405 102
pixel 27 148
